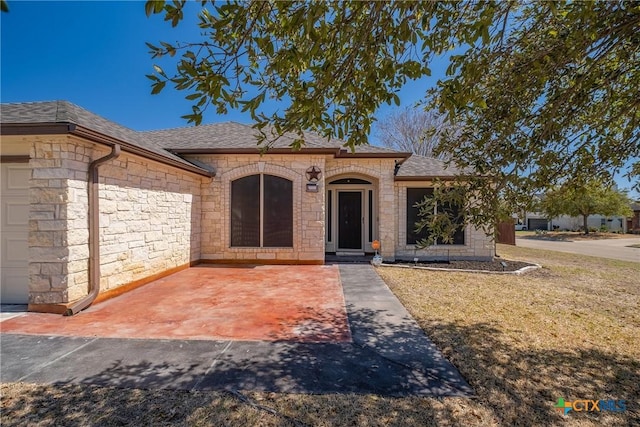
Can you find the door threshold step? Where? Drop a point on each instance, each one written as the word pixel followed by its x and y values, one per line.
pixel 349 253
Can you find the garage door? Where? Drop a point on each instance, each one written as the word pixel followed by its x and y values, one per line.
pixel 538 224
pixel 14 233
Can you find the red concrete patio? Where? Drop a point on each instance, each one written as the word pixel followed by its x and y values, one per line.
pixel 265 303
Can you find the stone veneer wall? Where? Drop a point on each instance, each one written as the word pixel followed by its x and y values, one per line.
pixel 51 274
pixel 149 219
pixel 308 208
pixel 477 245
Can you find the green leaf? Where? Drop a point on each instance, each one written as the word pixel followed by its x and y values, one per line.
pixel 157 87
pixel 153 6
pixel 550 99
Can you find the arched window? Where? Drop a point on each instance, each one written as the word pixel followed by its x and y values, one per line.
pixel 262 212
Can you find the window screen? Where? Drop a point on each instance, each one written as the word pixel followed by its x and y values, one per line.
pixel 278 212
pixel 273 227
pixel 245 211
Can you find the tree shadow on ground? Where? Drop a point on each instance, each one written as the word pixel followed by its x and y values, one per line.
pixel 521 385
pixel 396 360
pixel 246 384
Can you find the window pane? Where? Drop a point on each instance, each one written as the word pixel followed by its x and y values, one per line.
pixel 329 215
pixel 370 216
pixel 278 212
pixel 415 195
pixel 245 211
pixel 350 181
pixel 454 214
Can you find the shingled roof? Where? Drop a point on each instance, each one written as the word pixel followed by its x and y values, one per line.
pixel 421 167
pixel 42 117
pixel 167 145
pixel 237 136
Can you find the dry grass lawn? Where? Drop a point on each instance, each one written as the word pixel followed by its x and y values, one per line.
pixel 568 330
pixel 572 235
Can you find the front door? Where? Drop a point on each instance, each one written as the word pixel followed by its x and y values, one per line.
pixel 350 220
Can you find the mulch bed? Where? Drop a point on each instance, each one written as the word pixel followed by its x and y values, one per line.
pixel 495 265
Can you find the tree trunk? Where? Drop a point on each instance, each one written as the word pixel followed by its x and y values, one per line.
pixel 584 223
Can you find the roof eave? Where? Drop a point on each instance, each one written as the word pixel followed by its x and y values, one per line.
pixel 35 128
pixel 336 152
pixel 135 149
pixel 426 178
pixel 391 155
pixel 180 151
pixel 62 128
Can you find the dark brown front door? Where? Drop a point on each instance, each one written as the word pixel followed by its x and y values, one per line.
pixel 350 220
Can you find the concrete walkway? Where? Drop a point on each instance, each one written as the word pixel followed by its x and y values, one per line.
pixel 388 355
pixel 606 248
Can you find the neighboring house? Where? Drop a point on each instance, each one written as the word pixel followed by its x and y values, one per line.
pixel 537 221
pixel 177 197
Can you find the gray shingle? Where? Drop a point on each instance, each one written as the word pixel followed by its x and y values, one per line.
pixel 418 166
pixel 66 112
pixel 233 135
pixel 226 135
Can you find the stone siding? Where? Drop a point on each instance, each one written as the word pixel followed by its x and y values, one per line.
pixel 55 272
pixel 308 208
pixel 149 218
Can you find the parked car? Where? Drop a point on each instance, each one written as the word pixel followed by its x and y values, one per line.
pixel 521 227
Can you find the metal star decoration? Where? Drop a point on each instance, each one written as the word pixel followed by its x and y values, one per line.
pixel 313 173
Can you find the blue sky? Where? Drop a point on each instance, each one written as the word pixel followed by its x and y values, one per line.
pixel 93 54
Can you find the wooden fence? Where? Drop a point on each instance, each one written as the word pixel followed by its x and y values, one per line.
pixel 506 233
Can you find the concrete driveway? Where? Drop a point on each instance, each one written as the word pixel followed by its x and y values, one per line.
pixel 385 351
pixel 606 248
pixel 251 303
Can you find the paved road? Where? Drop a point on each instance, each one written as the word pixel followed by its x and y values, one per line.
pixel 389 355
pixel 606 248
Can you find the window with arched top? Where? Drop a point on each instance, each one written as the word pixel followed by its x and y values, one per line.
pixel 262 211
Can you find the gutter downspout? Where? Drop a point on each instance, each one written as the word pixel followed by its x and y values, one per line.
pixel 94 234
pixel 397 164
